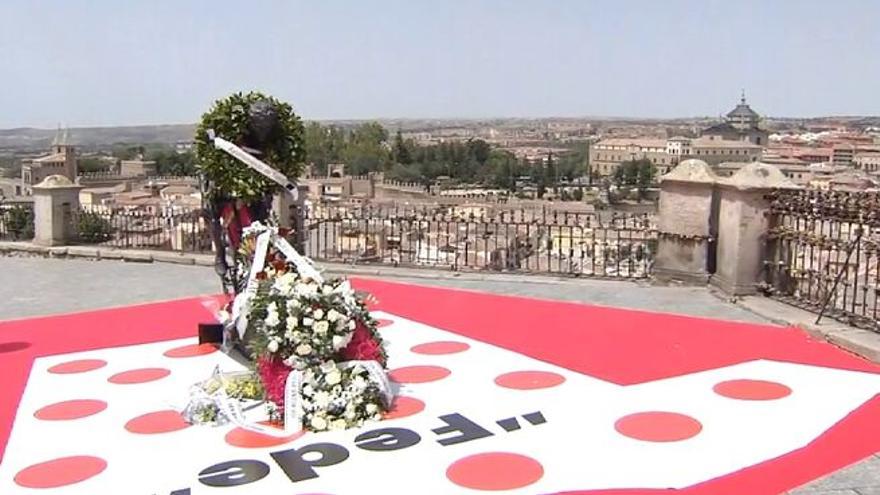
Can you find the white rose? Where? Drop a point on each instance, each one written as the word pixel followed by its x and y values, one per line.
pixel 328 289
pixel 372 408
pixel 322 399
pixel 334 377
pixel 339 341
pixel 273 346
pixel 321 327
pixel 319 313
pixel 319 423
pixel 304 349
pixel 291 322
pixel 359 383
pixel 308 322
pixel 352 325
pixel 338 424
pixel 272 318
pixel 333 315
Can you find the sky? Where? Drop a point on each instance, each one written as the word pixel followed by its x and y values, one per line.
pixel 130 62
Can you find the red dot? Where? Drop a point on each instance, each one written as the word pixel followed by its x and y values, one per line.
pixel 418 374
pixel 78 366
pixel 60 472
pixel 248 439
pixel 192 350
pixel 442 347
pixel 157 422
pixel 142 375
pixel 529 380
pixel 383 322
pixel 404 406
pixel 658 426
pixel 495 471
pixel 752 390
pixel 70 409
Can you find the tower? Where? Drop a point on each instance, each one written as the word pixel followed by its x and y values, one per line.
pixel 66 152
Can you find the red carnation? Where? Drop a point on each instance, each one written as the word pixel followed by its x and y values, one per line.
pixel 273 373
pixel 363 347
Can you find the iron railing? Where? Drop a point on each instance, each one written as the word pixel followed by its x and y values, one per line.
pixel 477 238
pixel 184 230
pixel 16 220
pixel 823 253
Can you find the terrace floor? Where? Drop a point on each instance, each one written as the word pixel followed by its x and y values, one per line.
pixel 43 286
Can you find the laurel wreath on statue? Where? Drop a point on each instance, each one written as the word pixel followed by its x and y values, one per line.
pixel 262 125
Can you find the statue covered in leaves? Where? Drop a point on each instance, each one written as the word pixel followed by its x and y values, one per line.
pixel 235 195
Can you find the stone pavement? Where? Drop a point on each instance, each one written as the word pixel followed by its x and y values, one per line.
pixel 34 286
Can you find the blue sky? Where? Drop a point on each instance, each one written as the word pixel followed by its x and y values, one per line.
pixel 117 62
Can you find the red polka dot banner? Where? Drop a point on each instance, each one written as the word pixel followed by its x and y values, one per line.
pixel 403 407
pixel 193 350
pixel 60 472
pixel 491 395
pixel 529 380
pixel 78 366
pixel 142 375
pixel 71 409
pixel 418 374
pixel 495 471
pixel 442 347
pixel 752 390
pixel 249 439
pixel 156 422
pixel 658 426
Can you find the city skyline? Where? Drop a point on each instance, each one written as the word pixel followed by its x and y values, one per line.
pixel 92 64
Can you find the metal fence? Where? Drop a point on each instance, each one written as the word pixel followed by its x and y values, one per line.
pixel 184 230
pixel 16 221
pixel 477 238
pixel 823 253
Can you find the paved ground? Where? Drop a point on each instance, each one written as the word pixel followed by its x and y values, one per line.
pixel 42 286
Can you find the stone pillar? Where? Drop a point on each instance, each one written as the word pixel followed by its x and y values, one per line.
pixel 56 202
pixel 291 214
pixel 743 221
pixel 686 208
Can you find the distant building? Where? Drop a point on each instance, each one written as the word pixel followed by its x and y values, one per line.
pixel 843 154
pixel 137 167
pixel 739 139
pixel 607 154
pixel 61 161
pixel 868 162
pixel 714 150
pixel 740 124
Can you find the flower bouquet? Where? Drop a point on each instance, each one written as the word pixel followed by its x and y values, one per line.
pixel 319 356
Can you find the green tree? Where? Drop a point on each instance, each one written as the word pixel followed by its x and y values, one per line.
pixel 551 173
pixel 92 228
pixel 539 177
pixel 401 150
pixel 645 176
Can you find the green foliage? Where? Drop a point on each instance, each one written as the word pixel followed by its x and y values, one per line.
pixel 636 173
pixel 170 162
pixel 402 154
pixel 230 119
pixel 577 194
pixel 92 228
pixel 18 222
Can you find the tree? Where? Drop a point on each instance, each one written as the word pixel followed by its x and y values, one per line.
pixel 552 176
pixel 401 150
pixel 578 194
pixel 539 177
pixel 645 176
